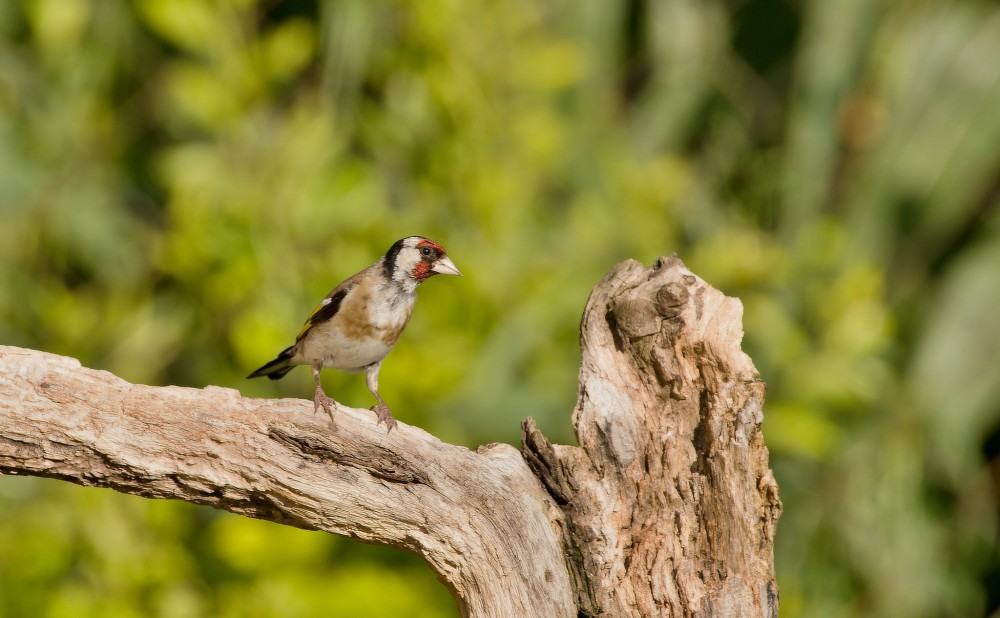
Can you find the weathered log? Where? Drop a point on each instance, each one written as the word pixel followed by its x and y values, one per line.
pixel 667 507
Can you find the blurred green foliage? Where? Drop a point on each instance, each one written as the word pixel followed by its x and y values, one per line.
pixel 181 180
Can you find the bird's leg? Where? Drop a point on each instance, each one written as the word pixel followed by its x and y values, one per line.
pixel 321 399
pixel 381 410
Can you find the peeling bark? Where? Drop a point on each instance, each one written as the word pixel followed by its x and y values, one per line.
pixel 667 507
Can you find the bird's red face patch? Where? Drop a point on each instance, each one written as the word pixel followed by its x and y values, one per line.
pixel 430 252
pixel 422 271
pixel 424 242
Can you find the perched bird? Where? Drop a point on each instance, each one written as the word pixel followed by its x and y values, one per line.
pixel 359 322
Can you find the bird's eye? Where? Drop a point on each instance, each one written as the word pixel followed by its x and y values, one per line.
pixel 425 251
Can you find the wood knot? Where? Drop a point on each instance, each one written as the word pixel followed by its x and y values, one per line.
pixel 663 262
pixel 635 317
pixel 670 299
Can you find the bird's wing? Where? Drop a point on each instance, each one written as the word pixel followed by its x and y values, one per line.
pixel 328 308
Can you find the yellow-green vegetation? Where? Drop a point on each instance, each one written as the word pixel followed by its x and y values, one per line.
pixel 182 180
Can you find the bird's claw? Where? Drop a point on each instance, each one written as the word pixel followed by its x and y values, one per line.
pixel 384 416
pixel 322 400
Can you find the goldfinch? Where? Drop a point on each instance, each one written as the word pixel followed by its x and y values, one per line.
pixel 360 320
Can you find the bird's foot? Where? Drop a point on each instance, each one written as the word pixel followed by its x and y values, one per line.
pixel 322 400
pixel 384 416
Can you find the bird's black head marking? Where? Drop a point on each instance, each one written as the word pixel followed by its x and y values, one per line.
pixel 389 266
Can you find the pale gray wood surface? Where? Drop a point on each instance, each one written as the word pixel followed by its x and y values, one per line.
pixel 667 507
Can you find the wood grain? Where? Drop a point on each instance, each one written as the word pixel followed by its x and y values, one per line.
pixel 666 508
pixel 669 502
pixel 480 518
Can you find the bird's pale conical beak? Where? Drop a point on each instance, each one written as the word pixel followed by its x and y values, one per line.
pixel 445 266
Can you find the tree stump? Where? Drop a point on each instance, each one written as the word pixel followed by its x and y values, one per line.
pixel 666 508
pixel 669 504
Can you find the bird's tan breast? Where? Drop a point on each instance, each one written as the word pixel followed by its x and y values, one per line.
pixel 369 323
pixel 354 319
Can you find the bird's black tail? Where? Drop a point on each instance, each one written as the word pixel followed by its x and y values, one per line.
pixel 277 368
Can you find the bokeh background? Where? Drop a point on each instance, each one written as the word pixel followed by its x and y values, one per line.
pixel 182 180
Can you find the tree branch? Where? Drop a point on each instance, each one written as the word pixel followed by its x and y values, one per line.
pixel 667 507
pixel 481 519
